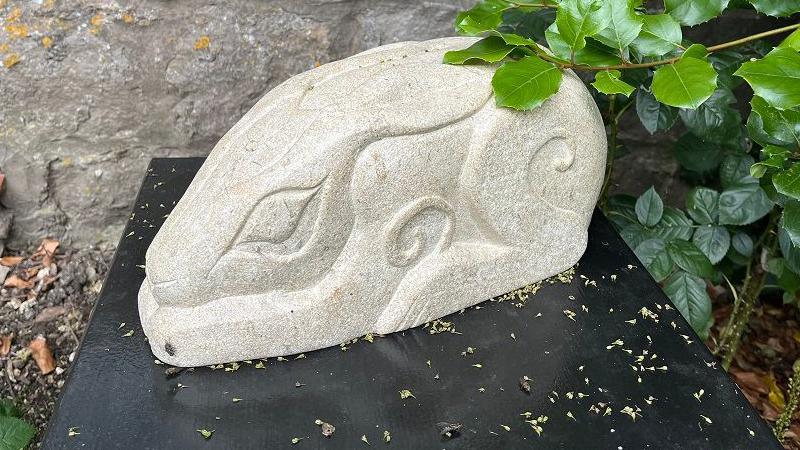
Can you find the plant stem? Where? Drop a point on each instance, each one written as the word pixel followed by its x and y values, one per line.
pixel 570 65
pixel 731 335
pixel 613 117
pixel 782 424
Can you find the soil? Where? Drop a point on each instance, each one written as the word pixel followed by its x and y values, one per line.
pixel 763 365
pixel 56 307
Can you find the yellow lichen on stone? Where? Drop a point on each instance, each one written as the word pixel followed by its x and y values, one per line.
pixel 17 31
pixel 11 60
pixel 96 22
pixel 128 17
pixel 47 42
pixel 14 15
pixel 202 43
pixel 49 4
pixel 4 48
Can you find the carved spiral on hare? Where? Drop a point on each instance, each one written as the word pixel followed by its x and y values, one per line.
pixel 419 228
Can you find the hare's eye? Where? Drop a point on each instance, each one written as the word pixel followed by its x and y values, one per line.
pixel 281 222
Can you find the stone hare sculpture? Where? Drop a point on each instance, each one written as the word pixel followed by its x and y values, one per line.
pixel 371 194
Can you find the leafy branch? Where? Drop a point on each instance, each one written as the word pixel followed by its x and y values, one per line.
pixel 743 228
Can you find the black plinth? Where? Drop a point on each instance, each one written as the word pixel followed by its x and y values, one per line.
pixel 589 375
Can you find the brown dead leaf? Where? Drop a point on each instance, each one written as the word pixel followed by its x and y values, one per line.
pixel 31 272
pixel 17 282
pixel 47 250
pixel 751 381
pixel 10 261
pixel 41 353
pixel 5 344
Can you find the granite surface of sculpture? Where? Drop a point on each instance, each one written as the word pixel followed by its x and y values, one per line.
pixel 370 195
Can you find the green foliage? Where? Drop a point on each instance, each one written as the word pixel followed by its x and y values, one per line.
pixel 660 35
pixel 778 8
pixel 693 12
pixel 609 82
pixel 749 172
pixel 686 83
pixel 775 77
pixel 15 433
pixel 688 293
pixel 525 83
pixel 577 19
pixel 491 49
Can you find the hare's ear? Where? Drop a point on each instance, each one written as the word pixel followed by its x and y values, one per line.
pixel 385 93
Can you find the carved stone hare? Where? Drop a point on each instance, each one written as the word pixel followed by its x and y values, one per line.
pixel 371 194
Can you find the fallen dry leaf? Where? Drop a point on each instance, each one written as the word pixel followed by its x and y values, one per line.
pixel 750 380
pixel 42 355
pixel 17 282
pixel 10 261
pixel 5 344
pixel 47 249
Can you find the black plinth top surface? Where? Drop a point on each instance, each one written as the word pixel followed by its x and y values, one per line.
pixel 605 372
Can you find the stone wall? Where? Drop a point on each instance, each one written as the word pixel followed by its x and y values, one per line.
pixel 96 88
pixel 100 87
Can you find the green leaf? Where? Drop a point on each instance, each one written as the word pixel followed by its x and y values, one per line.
pixel 692 12
pixel 698 51
pixel 686 83
pixel 624 26
pixel 649 208
pixel 773 158
pixel 788 181
pixel 742 243
pixel 621 210
pixel 713 241
pixel 791 252
pixel 8 409
pixel 743 204
pixel 726 62
pixel 594 54
pixel 484 16
pixel 608 82
pixel 688 294
pixel 491 49
pixel 777 8
pixel 714 120
pixel 513 39
pixel 689 258
pixel 775 77
pixel 655 116
pixel 735 169
pixel 695 155
pixel 791 221
pixel 772 125
pixel 702 204
pixel 673 225
pixel 634 234
pixel 577 19
pixel 15 433
pixel 660 35
pixel 792 41
pixel 526 83
pixel 652 253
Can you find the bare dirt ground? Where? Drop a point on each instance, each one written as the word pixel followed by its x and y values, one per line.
pixel 45 303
